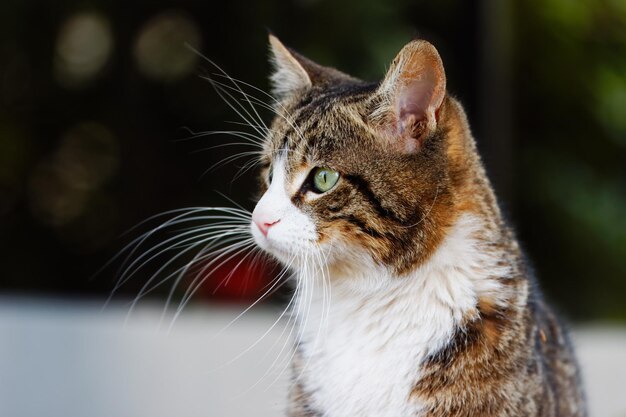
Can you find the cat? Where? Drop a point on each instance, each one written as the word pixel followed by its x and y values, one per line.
pixel 414 297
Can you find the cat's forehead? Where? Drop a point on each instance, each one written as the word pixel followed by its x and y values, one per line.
pixel 322 124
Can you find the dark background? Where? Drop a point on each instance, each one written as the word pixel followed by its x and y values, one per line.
pixel 96 95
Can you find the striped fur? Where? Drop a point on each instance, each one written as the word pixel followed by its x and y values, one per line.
pixel 433 309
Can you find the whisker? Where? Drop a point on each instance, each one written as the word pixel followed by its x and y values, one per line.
pixel 224 145
pixel 291 319
pixel 228 160
pixel 250 137
pixel 202 273
pixel 239 206
pixel 234 105
pixel 325 310
pixel 235 87
pixel 233 221
pixel 144 288
pixel 304 281
pixel 427 212
pixel 224 74
pixel 246 167
pixel 259 339
pixel 274 99
pixel 253 304
pixel 135 241
pixel 291 325
pixel 199 257
pixel 132 268
pixel 231 252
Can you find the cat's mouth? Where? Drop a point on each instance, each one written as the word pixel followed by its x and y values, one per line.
pixel 270 245
pixel 291 252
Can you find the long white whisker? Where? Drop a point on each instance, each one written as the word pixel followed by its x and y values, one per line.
pixel 224 145
pixel 202 276
pixel 227 97
pixel 251 306
pixel 249 137
pixel 229 159
pixel 291 325
pixel 144 288
pixel 246 167
pixel 246 96
pixel 260 338
pixel 199 257
pixel 239 206
pixel 225 74
pixel 303 281
pixel 323 318
pixel 137 241
pixel 279 338
pixel 274 99
pixel 145 259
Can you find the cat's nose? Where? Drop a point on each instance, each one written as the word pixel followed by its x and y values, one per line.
pixel 264 221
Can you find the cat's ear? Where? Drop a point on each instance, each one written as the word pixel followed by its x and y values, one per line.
pixel 411 94
pixel 293 73
pixel 289 75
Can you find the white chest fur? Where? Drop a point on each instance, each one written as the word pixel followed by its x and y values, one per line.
pixel 362 350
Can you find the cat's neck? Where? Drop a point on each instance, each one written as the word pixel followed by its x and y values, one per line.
pixel 464 269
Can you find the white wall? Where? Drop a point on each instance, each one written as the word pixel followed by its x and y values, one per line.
pixel 69 359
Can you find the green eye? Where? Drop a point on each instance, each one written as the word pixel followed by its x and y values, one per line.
pixel 324 179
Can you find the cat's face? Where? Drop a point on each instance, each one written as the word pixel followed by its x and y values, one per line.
pixel 355 174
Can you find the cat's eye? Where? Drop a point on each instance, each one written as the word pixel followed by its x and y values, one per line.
pixel 324 179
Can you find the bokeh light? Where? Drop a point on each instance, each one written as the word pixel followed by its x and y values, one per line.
pixel 88 156
pixel 83 48
pixel 54 201
pixel 160 50
pixel 60 186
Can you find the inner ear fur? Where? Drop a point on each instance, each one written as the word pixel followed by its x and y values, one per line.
pixel 294 73
pixel 410 96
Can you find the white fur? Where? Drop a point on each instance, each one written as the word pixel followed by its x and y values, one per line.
pixel 362 339
pixel 289 76
pixel 295 232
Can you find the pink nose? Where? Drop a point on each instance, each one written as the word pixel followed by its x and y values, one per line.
pixel 264 224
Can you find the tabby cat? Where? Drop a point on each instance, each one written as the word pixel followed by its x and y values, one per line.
pixel 415 298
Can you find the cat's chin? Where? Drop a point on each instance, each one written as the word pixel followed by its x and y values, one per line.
pixel 267 245
pixel 289 258
pixel 285 258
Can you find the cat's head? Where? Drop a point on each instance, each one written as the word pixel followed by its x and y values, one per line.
pixel 356 173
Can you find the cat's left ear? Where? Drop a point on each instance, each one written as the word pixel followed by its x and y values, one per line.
pixel 293 73
pixel 411 94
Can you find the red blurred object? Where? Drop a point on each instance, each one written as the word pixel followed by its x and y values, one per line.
pixel 238 279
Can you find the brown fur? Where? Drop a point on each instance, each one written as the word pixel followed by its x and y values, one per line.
pixel 511 360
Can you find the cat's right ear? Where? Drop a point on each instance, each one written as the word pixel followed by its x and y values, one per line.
pixel 289 74
pixel 409 98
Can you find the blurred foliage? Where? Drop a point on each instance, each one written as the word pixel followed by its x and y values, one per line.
pixel 94 97
pixel 571 81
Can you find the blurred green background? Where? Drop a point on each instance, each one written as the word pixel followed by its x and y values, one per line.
pixel 96 95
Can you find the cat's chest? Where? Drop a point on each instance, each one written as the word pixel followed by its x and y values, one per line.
pixel 364 358
pixel 359 373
